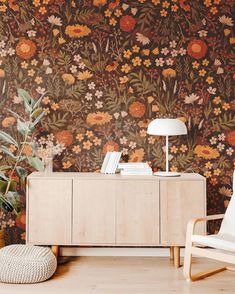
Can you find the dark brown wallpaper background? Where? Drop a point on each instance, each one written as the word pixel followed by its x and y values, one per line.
pixel 110 67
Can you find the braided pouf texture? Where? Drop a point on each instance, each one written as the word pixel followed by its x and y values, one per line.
pixel 26 264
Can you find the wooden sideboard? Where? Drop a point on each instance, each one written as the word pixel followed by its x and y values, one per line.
pixel 91 209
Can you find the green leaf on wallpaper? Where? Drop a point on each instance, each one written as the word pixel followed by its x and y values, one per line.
pixel 223 162
pixel 7 138
pixel 64 59
pixel 36 163
pixel 227 121
pixel 56 122
pixel 76 90
pixel 8 152
pixel 141 83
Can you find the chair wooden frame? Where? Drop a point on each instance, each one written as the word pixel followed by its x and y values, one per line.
pixel 190 249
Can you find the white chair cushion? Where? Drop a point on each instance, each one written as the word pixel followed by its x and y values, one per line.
pixel 218 241
pixel 26 264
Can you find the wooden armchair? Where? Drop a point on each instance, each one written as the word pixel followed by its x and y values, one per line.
pixel 223 243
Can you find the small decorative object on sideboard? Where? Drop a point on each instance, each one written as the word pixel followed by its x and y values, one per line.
pixel 135 169
pixel 167 127
pixel 47 149
pixel 110 162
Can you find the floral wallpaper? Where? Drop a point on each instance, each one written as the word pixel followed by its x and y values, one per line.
pixel 108 68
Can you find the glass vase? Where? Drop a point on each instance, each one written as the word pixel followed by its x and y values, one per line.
pixel 48 165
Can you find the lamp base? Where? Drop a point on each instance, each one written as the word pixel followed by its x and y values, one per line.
pixel 166 174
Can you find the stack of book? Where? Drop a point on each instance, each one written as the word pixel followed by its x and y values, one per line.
pixel 110 162
pixel 135 169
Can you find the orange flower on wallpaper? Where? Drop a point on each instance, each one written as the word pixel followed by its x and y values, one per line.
pixel 77 31
pixel 21 220
pixel 68 78
pixel 206 152
pixel 99 2
pixel 231 138
pixel 2 73
pixel 8 121
pixel 169 72
pixel 127 23
pixel 114 4
pixel 26 49
pixel 137 155
pixel 27 150
pixel 112 66
pixel 64 137
pixel 13 5
pixel 197 48
pixel 98 118
pixel 110 146
pixel 137 109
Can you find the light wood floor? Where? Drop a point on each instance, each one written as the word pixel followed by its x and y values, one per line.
pixel 125 275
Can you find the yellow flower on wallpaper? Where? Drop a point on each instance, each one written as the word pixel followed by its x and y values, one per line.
pixel 206 152
pixel 169 72
pixel 137 155
pixel 84 75
pixel 77 31
pixel 98 118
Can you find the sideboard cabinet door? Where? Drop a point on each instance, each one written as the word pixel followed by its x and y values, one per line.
pixel 180 201
pixel 49 211
pixel 93 212
pixel 137 212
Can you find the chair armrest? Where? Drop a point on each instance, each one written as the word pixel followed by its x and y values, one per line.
pixel 194 221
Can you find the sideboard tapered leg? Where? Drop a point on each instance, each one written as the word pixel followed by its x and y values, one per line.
pixel 171 253
pixel 55 250
pixel 177 256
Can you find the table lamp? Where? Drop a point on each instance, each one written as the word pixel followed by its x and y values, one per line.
pixel 167 127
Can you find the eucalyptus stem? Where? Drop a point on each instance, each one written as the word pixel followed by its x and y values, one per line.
pixel 16 163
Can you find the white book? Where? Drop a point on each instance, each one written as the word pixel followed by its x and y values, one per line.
pixel 117 158
pixel 126 173
pixel 105 162
pixel 109 167
pixel 133 165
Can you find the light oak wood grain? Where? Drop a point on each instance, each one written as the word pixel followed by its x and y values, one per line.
pixel 49 211
pixel 137 212
pixel 180 201
pixel 126 275
pixel 93 212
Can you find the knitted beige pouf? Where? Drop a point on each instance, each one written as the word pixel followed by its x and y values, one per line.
pixel 26 264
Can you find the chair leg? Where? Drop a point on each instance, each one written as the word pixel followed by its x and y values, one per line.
pixel 188 261
pixel 188 267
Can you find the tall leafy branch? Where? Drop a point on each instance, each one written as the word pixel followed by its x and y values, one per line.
pixel 9 197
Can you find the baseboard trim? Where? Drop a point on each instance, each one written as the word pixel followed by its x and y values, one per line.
pixel 110 251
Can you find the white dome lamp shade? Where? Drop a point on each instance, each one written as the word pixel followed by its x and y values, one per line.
pixel 167 127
